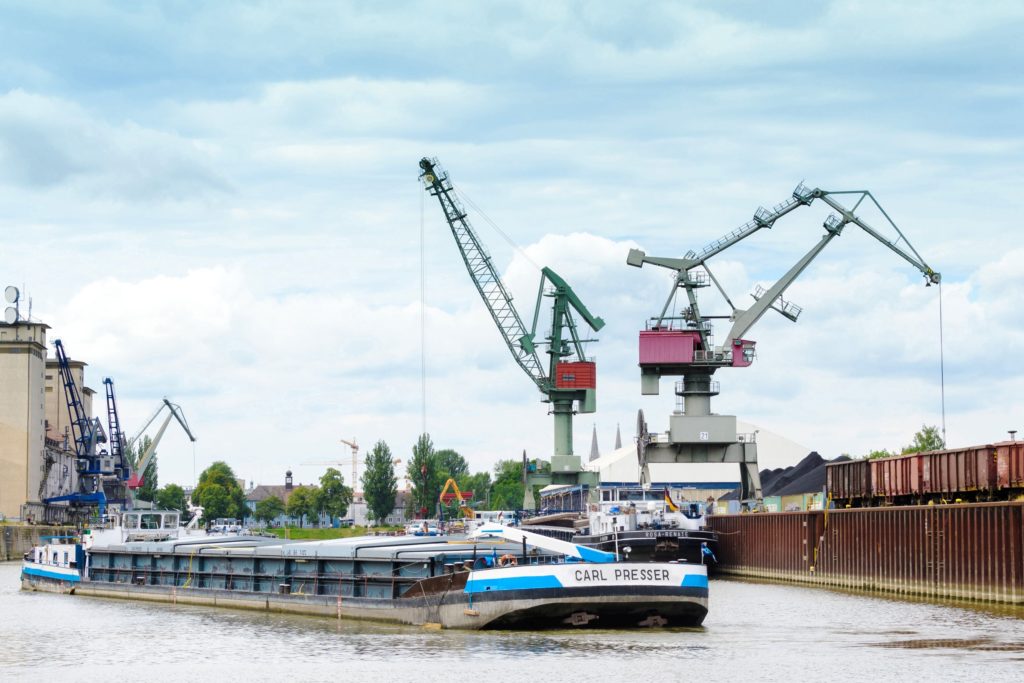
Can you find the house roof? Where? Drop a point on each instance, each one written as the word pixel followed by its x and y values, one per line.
pixel 264 491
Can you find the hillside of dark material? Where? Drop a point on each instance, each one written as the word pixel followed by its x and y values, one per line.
pixel 807 476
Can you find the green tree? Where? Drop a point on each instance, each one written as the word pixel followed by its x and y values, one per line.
pixel 450 464
pixel 425 476
pixel 217 503
pixel 480 484
pixel 507 491
pixel 380 485
pixel 303 502
pixel 333 497
pixel 221 475
pixel 928 439
pixel 149 486
pixel 269 509
pixel 874 455
pixel 172 497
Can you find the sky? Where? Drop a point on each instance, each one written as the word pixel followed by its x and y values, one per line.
pixel 219 203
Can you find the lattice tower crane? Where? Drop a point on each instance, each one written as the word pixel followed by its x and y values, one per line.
pixel 683 346
pixel 86 433
pixel 569 382
pixel 115 486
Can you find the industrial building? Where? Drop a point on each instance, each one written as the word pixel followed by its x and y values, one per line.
pixel 619 474
pixel 36 458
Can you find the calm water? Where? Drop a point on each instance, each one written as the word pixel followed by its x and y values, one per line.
pixel 753 632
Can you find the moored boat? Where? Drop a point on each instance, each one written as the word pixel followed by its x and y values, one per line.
pixel 648 531
pixel 494 577
pixel 54 566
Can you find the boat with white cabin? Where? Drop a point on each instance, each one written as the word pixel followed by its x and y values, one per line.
pixel 492 577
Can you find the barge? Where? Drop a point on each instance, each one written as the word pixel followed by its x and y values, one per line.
pixel 651 531
pixel 495 577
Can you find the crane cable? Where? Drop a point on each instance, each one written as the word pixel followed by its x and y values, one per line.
pixel 942 370
pixel 494 226
pixel 423 311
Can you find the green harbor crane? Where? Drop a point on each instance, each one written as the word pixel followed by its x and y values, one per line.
pixel 569 383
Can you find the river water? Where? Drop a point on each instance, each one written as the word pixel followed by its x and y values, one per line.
pixel 753 632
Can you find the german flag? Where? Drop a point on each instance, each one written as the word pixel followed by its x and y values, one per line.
pixel 668 502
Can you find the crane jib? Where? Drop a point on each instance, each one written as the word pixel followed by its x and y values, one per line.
pixel 569 378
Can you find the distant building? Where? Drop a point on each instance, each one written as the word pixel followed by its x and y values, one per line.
pixel 359 510
pixel 36 458
pixel 281 491
pixel 620 480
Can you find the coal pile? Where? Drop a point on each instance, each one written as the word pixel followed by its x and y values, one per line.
pixel 807 476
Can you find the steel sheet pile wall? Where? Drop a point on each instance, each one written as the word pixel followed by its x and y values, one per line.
pixel 967 552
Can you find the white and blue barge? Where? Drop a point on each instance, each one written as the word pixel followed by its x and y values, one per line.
pixel 496 577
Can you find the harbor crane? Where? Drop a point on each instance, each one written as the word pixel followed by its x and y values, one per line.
pixel 94 468
pixel 173 411
pixel 684 346
pixel 104 475
pixel 569 381
pixel 115 489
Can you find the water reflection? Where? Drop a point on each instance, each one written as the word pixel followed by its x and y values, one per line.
pixel 753 631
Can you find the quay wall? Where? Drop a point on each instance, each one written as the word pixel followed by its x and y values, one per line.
pixel 971 552
pixel 18 539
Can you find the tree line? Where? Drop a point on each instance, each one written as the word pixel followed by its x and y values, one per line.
pixel 928 438
pixel 220 495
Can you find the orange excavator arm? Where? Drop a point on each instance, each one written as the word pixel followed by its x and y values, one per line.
pixel 465 509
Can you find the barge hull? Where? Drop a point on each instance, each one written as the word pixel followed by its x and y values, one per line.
pixel 518 610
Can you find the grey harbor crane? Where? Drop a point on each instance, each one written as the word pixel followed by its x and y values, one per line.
pixel 684 345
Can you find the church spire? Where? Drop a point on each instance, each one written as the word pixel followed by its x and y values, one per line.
pixel 594 453
pixel 618 437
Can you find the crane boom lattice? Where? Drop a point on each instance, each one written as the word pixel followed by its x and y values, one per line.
pixel 570 380
pixel 481 269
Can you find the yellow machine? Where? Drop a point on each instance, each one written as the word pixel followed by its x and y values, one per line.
pixel 465 509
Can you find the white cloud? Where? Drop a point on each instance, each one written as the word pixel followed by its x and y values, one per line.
pixel 48 141
pixel 339 111
pixel 231 216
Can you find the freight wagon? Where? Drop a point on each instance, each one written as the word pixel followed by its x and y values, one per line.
pixel 976 473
